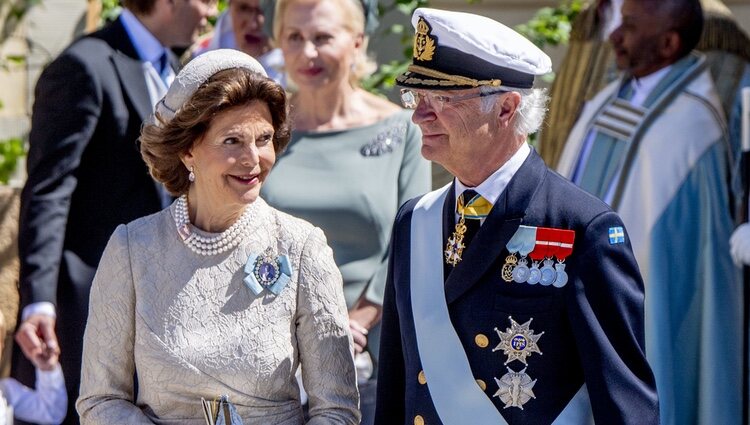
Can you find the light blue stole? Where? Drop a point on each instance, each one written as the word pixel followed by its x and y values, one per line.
pixel 617 128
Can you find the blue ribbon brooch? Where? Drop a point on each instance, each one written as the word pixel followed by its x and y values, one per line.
pixel 266 271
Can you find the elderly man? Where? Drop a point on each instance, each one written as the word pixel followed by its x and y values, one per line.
pixel 513 297
pixel 653 145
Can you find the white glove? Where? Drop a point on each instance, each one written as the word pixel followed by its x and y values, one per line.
pixel 739 245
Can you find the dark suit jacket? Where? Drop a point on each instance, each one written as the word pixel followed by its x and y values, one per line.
pixel 86 176
pixel 593 327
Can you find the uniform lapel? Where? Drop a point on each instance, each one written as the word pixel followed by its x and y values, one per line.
pixel 498 228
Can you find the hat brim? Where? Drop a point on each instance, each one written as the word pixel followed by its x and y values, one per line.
pixel 416 80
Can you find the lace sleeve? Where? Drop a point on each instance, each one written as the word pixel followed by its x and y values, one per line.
pixel 108 363
pixel 323 335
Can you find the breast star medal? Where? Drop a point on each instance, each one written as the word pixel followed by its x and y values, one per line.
pixel 518 341
pixel 455 246
pixel 515 388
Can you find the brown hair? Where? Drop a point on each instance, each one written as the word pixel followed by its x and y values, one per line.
pixel 164 143
pixel 139 7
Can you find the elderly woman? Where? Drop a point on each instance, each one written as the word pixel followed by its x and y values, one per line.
pixel 354 157
pixel 219 294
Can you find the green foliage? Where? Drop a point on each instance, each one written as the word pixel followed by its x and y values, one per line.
pixel 110 11
pixel 384 79
pixel 551 26
pixel 221 5
pixel 11 151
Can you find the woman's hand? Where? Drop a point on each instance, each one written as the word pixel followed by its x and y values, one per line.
pixel 362 317
pixel 359 334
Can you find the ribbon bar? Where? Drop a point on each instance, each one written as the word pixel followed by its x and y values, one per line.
pixel 553 243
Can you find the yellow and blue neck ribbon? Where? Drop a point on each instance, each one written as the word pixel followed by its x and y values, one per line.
pixel 476 208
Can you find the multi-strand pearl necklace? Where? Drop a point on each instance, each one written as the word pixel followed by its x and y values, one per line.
pixel 203 245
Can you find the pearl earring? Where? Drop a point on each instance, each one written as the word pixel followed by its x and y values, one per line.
pixel 191 176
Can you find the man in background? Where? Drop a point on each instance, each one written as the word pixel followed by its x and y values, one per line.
pixel 654 146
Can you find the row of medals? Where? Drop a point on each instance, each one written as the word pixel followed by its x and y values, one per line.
pixel 513 270
pixel 517 342
pixel 550 273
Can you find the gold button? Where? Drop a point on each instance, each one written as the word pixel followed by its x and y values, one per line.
pixel 418 420
pixel 481 341
pixel 421 378
pixel 481 384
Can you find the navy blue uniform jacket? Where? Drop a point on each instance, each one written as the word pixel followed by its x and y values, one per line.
pixel 593 327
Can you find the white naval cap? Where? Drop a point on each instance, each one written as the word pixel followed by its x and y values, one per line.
pixel 456 50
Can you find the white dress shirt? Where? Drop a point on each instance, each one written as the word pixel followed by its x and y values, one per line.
pixel 48 404
pixel 494 185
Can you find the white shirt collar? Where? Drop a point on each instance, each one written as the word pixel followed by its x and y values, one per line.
pixel 642 87
pixel 495 184
pixel 146 45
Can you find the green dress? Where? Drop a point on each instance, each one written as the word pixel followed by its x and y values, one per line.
pixel 350 183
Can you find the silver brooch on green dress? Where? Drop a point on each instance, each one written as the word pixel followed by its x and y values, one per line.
pixel 267 271
pixel 385 141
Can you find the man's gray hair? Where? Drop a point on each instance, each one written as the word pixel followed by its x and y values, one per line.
pixel 531 111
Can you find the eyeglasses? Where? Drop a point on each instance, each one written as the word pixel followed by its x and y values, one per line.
pixel 410 98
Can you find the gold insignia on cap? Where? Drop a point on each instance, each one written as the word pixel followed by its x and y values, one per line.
pixel 424 45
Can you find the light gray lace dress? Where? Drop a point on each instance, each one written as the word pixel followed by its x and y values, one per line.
pixel 186 326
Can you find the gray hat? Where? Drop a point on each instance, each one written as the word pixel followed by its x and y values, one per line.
pixel 455 50
pixel 197 72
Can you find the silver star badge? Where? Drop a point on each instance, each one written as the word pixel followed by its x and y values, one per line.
pixel 518 341
pixel 515 388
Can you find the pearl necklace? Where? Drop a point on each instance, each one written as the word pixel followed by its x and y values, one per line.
pixel 206 245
